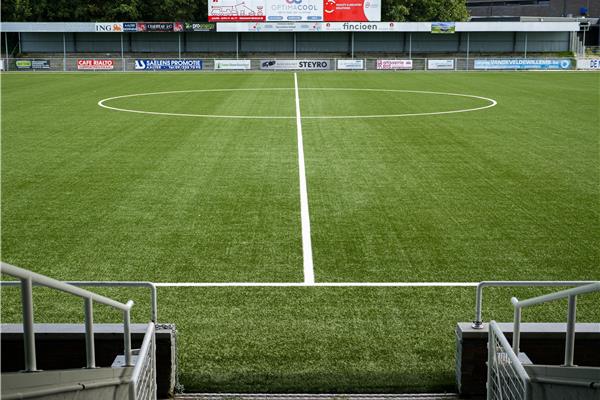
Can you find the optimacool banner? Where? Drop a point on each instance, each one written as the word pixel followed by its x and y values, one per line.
pixel 168 65
pixel 294 10
pixel 295 64
pixel 522 63
pixel 352 10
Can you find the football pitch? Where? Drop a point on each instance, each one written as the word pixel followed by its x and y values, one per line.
pixel 316 232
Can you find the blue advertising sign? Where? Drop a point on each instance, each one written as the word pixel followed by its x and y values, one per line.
pixel 523 63
pixel 129 27
pixel 168 64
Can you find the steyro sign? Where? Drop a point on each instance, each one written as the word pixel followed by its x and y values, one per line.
pixel 295 64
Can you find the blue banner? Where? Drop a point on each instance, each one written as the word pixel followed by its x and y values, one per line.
pixel 169 64
pixel 523 63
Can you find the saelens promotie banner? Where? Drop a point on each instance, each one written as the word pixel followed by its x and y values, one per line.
pixel 294 10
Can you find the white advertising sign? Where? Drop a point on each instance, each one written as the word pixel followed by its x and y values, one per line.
pixel 294 10
pixel 295 64
pixel 233 10
pixel 394 64
pixel 232 64
pixel 109 27
pixel 588 63
pixel 440 64
pixel 1 65
pixel 309 26
pixel 350 64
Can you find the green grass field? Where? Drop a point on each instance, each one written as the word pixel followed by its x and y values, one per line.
pixel 509 192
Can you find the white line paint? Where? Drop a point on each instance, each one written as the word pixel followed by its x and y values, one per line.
pixel 491 103
pixel 309 273
pixel 317 284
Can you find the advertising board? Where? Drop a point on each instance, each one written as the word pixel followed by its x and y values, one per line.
pixel 588 63
pixel 350 64
pixel 159 26
pixel 200 27
pixel 1 65
pixel 443 27
pixel 129 27
pixel 232 64
pixel 352 10
pixel 168 64
pixel 295 64
pixel 233 10
pixel 394 64
pixel 23 64
pixel 522 63
pixel 109 26
pixel 95 64
pixel 440 64
pixel 294 10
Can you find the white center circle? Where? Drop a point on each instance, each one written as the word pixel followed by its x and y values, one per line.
pixel 489 103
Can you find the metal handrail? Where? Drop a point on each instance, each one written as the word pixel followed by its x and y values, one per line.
pixel 478 322
pixel 27 278
pixel 141 361
pixel 571 294
pixel 150 285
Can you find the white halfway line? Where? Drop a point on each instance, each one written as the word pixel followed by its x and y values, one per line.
pixel 309 273
pixel 317 284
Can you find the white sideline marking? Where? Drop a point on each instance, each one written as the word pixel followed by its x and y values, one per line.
pixel 317 284
pixel 491 102
pixel 309 273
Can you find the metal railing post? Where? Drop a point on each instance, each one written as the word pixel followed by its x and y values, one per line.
pixel 28 332
pixel 516 340
pixel 90 351
pixel 127 334
pixel 570 339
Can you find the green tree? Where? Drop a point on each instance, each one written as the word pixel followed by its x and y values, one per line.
pixel 425 10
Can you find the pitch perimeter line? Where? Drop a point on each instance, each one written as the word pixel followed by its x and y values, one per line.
pixel 317 284
pixel 309 272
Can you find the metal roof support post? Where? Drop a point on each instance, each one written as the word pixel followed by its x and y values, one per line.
pixel 295 48
pixel 468 45
pixel 6 48
pixel 64 52
pixel 122 54
pixel 570 339
pixel 237 45
pixel 28 331
pixel 179 45
pixel 352 43
pixel 525 44
pixel 410 45
pixel 89 333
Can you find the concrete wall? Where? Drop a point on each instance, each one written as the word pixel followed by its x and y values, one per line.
pixel 306 42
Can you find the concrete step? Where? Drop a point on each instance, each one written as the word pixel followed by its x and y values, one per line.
pixel 243 396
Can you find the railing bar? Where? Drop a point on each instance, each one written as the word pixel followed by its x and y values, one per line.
pixel 592 287
pixel 570 338
pixel 28 330
pixel 127 336
pixel 516 340
pixel 89 333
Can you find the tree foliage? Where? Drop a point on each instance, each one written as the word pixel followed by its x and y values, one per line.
pixel 196 10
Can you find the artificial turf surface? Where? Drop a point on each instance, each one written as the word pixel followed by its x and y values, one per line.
pixel 510 192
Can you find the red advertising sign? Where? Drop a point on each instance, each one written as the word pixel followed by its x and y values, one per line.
pixel 351 10
pixel 87 64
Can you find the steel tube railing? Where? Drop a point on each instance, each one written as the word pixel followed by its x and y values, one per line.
pixel 28 278
pixel 149 285
pixel 571 294
pixel 89 333
pixel 478 322
pixel 28 332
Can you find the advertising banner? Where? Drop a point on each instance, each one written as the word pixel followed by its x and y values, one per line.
pixel 233 10
pixel 1 65
pixel 295 64
pixel 522 63
pixel 588 63
pixel 352 10
pixel 294 10
pixel 168 64
pixel 232 64
pixel 443 27
pixel 109 27
pixel 350 64
pixel 129 27
pixel 90 64
pixel 159 26
pixel 23 64
pixel 440 64
pixel 200 27
pixel 394 64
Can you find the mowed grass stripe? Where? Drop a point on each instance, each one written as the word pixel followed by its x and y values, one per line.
pixel 504 193
pixel 96 194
